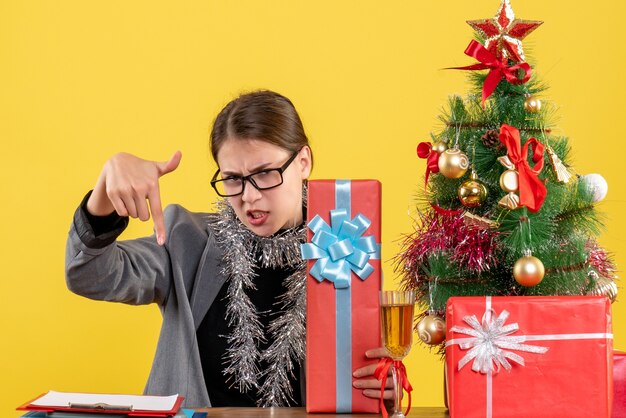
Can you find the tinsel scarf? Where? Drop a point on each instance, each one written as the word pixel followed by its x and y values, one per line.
pixel 246 365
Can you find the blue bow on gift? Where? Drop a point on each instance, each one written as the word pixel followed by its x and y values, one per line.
pixel 340 248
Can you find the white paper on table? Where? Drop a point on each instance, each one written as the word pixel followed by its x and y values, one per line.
pixel 138 402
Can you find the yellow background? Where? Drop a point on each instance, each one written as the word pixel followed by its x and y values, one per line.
pixel 82 80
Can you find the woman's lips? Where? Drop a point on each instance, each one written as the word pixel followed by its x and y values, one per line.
pixel 257 217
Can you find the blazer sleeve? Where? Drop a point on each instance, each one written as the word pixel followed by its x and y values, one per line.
pixel 135 271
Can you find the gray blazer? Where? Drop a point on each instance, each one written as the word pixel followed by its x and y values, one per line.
pixel 183 277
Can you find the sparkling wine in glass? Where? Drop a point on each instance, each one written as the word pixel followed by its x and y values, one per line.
pixel 396 321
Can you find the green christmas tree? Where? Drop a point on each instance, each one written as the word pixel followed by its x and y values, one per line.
pixel 502 211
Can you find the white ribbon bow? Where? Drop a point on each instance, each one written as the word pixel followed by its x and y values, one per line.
pixel 490 342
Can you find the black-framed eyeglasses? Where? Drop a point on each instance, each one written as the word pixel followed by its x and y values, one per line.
pixel 261 180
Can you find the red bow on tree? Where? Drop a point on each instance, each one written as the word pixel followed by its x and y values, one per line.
pixel 499 69
pixel 532 191
pixel 425 150
pixel 381 372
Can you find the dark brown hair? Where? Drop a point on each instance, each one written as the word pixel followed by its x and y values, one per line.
pixel 263 115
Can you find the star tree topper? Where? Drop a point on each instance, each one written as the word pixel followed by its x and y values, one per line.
pixel 503 33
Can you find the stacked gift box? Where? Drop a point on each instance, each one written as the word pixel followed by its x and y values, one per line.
pixel 619 384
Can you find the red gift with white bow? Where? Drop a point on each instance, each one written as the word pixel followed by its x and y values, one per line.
pixel 529 357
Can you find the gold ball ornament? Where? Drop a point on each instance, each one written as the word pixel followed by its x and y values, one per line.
pixel 432 330
pixel 509 181
pixel 605 287
pixel 528 271
pixel 439 147
pixel 472 192
pixel 532 104
pixel 453 164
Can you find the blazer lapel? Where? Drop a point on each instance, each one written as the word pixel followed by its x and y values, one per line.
pixel 208 282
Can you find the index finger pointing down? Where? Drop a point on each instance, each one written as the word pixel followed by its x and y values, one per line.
pixel 154 198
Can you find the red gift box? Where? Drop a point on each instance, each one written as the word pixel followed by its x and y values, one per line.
pixel 619 384
pixel 529 356
pixel 343 284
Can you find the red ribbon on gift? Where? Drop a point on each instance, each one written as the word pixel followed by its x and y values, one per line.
pixel 499 69
pixel 425 150
pixel 381 372
pixel 532 191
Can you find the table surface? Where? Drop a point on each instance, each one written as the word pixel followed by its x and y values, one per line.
pixel 271 413
pixel 300 412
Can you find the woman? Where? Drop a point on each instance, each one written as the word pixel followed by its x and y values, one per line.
pixel 230 285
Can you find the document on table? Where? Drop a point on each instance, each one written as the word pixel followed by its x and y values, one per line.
pixel 133 402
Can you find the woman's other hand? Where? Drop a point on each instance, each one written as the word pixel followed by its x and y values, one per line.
pixel 129 186
pixel 365 380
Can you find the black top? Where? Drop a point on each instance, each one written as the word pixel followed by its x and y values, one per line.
pixel 214 329
pixel 212 340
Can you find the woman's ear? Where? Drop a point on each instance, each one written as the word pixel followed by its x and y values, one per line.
pixel 305 162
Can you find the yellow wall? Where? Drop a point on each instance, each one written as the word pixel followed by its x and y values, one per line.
pixel 81 80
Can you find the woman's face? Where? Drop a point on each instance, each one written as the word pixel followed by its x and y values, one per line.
pixel 265 212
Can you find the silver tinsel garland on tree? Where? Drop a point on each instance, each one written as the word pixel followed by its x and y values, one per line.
pixel 246 365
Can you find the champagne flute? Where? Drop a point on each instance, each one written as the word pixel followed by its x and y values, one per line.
pixel 396 320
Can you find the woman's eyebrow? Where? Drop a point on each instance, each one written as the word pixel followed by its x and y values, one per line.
pixel 253 170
